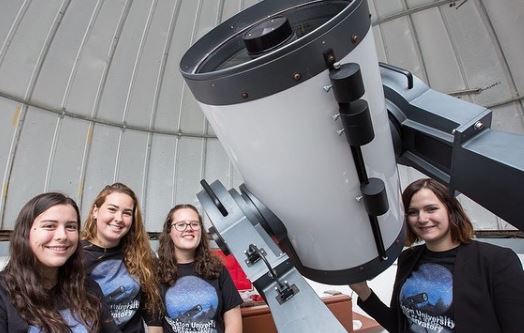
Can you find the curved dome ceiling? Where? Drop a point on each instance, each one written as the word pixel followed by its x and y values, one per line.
pixel 90 91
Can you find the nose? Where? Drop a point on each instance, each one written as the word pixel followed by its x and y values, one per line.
pixel 119 216
pixel 423 217
pixel 60 233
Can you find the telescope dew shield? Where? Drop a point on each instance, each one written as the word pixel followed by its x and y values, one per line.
pixel 273 112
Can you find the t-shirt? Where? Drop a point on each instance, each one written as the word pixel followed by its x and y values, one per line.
pixel 12 322
pixel 122 292
pixel 426 297
pixel 197 305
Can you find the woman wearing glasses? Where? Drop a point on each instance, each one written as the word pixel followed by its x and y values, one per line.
pixel 119 258
pixel 198 293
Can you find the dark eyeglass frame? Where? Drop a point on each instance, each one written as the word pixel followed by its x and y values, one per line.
pixel 183 225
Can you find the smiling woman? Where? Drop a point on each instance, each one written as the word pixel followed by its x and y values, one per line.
pixel 43 287
pixel 196 288
pixel 53 239
pixel 119 258
pixel 450 282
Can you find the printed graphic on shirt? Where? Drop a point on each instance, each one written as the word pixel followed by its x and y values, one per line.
pixel 73 324
pixel 426 297
pixel 121 290
pixel 191 305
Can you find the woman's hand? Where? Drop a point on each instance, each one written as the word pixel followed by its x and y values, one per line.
pixel 362 289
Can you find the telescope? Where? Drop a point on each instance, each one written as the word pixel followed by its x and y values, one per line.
pixel 315 125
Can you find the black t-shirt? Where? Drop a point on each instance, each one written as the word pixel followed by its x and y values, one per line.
pixel 122 292
pixel 426 297
pixel 12 322
pixel 197 305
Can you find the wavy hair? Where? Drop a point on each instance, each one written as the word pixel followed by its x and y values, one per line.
pixel 24 283
pixel 460 226
pixel 138 256
pixel 206 264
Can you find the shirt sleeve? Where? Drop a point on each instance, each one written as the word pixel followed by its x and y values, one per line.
pixel 384 315
pixel 230 296
pixel 508 291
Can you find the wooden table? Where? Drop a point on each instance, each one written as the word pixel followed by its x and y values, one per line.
pixel 258 319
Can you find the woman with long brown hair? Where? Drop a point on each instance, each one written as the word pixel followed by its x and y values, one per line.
pixel 119 258
pixel 197 290
pixel 450 282
pixel 43 288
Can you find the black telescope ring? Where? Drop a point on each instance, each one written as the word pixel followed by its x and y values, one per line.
pixel 214 83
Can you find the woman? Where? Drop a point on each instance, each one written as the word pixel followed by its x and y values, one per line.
pixel 119 258
pixel 198 292
pixel 43 288
pixel 450 283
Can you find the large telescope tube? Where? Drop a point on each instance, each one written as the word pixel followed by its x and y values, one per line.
pixel 286 85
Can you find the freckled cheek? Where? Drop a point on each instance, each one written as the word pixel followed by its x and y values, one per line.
pixel 173 236
pixel 100 222
pixel 38 242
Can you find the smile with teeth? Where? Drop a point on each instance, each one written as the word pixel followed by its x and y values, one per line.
pixel 116 227
pixel 426 227
pixel 58 248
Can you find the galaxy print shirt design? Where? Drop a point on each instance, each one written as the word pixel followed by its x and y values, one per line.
pixel 426 297
pixel 121 290
pixel 191 306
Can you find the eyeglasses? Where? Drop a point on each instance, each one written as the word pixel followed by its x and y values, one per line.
pixel 182 225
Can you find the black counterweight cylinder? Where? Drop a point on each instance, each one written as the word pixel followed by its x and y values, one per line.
pixel 347 83
pixel 356 118
pixel 375 197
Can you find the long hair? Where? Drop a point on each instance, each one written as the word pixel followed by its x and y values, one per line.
pixel 138 256
pixel 460 226
pixel 24 283
pixel 207 265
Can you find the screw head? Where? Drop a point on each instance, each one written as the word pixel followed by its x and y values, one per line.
pixel 297 76
pixel 244 94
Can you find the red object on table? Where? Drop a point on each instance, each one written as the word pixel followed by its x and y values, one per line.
pixel 240 279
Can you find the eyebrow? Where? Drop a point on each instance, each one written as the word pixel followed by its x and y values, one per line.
pixel 56 221
pixel 426 206
pixel 116 206
pixel 47 221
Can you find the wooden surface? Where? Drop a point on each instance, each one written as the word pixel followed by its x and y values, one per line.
pixel 258 319
pixel 368 325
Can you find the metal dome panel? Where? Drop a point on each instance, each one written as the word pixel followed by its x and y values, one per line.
pixel 90 91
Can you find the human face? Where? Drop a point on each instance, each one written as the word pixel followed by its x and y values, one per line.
pixel 54 237
pixel 113 219
pixel 186 241
pixel 429 219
